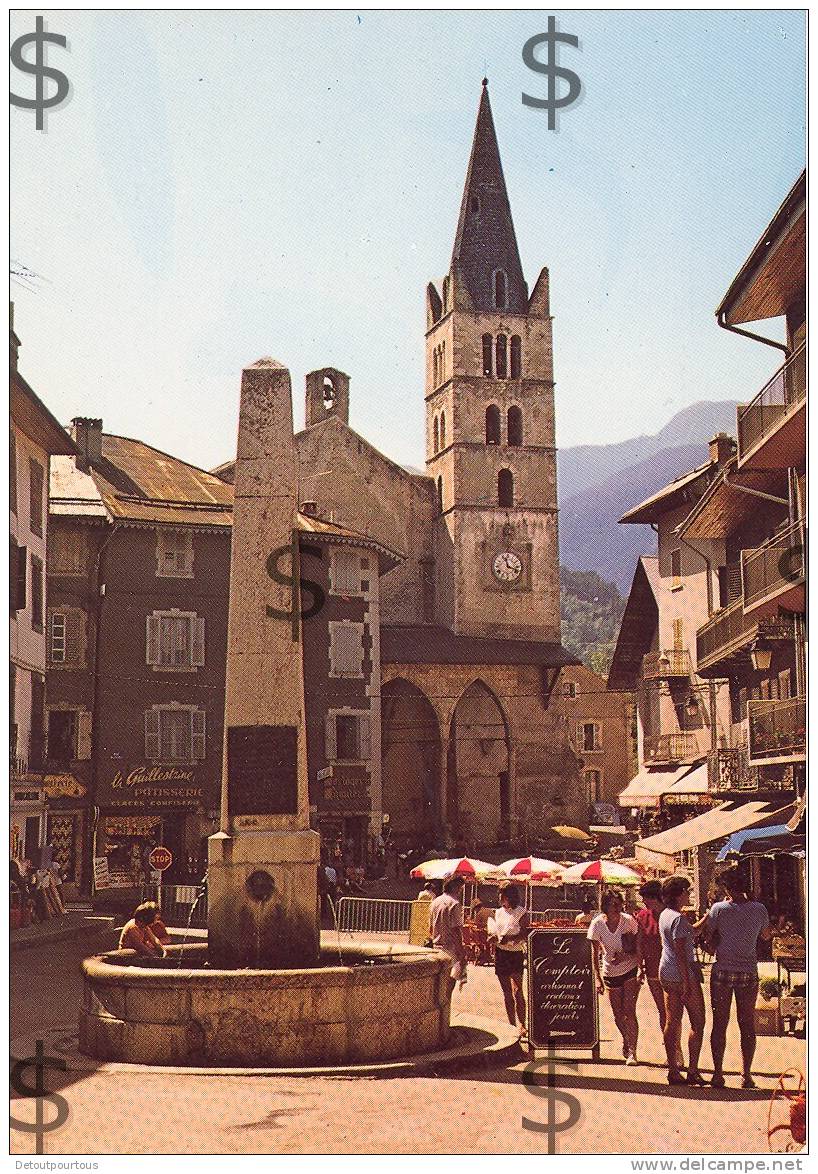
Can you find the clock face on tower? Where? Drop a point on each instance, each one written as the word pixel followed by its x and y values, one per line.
pixel 506 567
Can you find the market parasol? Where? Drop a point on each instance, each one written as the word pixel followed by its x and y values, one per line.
pixel 533 869
pixel 606 872
pixel 462 866
pixel 570 833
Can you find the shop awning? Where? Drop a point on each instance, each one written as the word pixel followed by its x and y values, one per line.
pixel 764 841
pixel 659 851
pixel 647 788
pixel 694 782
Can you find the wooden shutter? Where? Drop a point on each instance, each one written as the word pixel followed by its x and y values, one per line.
pixel 346 649
pixel 74 622
pixel 364 737
pixel 152 719
pixel 678 635
pixel 197 653
pixel 197 734
pixel 35 497
pixel 152 641
pixel 330 737
pixel 734 582
pixel 83 734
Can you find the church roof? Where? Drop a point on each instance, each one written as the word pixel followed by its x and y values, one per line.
pixel 485 238
pixel 433 644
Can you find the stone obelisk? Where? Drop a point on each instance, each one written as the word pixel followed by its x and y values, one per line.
pixel 262 895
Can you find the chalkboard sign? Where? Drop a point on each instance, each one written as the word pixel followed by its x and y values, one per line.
pixel 562 1000
pixel 262 770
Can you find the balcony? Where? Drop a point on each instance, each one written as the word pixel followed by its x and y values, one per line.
pixel 672 748
pixel 772 428
pixel 728 634
pixel 729 772
pixel 773 574
pixel 777 730
pixel 667 665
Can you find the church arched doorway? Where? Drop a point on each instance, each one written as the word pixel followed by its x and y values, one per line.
pixel 478 800
pixel 410 772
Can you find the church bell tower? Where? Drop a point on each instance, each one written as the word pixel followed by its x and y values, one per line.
pixel 490 445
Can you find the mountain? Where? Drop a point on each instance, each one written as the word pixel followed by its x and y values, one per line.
pixel 599 483
pixel 590 464
pixel 591 612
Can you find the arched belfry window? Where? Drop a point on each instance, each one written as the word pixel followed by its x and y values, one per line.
pixel 505 488
pixel 492 424
pixel 442 429
pixel 516 357
pixel 515 425
pixel 501 357
pixel 488 365
pixel 500 289
pixel 436 435
pixel 440 494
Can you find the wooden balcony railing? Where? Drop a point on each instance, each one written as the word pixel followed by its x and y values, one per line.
pixel 661 666
pixel 775 566
pixel 730 632
pixel 778 730
pixel 672 748
pixel 774 403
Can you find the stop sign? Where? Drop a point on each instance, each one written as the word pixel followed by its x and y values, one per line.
pixel 160 858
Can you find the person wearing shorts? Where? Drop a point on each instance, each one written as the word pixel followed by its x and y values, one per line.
pixel 613 935
pixel 735 925
pixel 681 979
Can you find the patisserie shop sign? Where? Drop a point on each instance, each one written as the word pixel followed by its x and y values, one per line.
pixel 156 786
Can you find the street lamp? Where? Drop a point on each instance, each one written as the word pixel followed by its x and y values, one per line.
pixel 692 705
pixel 761 656
pixel 663 664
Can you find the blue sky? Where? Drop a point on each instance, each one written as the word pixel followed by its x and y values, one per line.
pixel 226 185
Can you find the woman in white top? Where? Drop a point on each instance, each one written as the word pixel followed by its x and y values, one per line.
pixel 509 928
pixel 613 935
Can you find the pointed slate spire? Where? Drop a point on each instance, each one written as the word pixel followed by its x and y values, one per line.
pixel 486 243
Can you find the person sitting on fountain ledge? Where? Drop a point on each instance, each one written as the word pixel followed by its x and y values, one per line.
pixel 137 934
pixel 158 927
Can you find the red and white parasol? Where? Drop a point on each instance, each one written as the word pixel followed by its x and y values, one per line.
pixel 463 866
pixel 534 869
pixel 606 872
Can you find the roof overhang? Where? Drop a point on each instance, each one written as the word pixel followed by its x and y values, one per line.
pixel 684 489
pixel 32 417
pixel 729 502
pixel 773 276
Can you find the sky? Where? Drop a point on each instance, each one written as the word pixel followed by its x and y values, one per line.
pixel 226 185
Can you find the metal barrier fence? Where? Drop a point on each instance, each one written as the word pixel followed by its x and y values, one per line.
pixel 178 902
pixel 373 915
pixel 544 917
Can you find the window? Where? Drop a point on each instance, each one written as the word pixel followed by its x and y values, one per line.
pixel 436 435
pixel 505 488
pixel 516 357
pixel 501 354
pixel 36 744
pixel 515 425
pixel 442 430
pixel 676 568
pixel 18 576
pixel 56 638
pixel 12 473
pixel 593 785
pixel 174 640
pixel 589 736
pixel 344 571
pixel 348 736
pixel 62 735
pixel 36 476
pixel 174 554
pixel 487 356
pixel 492 424
pixel 346 649
pixel 174 733
pixel 569 688
pixel 500 289
pixel 724 595
pixel 36 593
pixel 440 495
pixel 67 551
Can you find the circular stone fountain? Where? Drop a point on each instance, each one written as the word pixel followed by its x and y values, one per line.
pixel 383 1002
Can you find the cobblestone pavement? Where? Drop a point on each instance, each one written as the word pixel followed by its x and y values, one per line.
pixel 624 1110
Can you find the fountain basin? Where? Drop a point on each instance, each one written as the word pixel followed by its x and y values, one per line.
pixel 378 1002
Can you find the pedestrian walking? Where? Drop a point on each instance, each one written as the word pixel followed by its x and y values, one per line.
pixel 681 978
pixel 650 944
pixel 614 938
pixel 509 927
pixel 446 927
pixel 735 925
